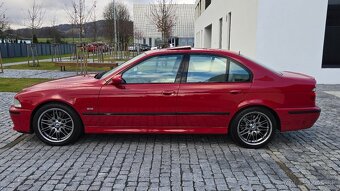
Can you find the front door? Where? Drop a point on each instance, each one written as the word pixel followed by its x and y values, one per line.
pixel 148 99
pixel 211 90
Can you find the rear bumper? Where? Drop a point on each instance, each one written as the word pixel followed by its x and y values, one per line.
pixel 21 119
pixel 293 119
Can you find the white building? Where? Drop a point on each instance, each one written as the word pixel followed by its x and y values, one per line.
pixel 282 34
pixel 146 29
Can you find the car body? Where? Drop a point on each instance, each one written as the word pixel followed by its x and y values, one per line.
pixel 139 47
pixel 154 48
pixel 145 47
pixel 132 48
pixel 93 47
pixel 179 90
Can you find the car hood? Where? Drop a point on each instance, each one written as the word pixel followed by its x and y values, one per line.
pixel 64 83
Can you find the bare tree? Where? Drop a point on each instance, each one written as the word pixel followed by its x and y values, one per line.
pixel 94 19
pixel 35 16
pixel 163 16
pixel 124 25
pixel 138 35
pixel 3 21
pixel 53 31
pixel 78 15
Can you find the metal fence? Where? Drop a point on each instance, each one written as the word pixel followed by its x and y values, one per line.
pixel 10 50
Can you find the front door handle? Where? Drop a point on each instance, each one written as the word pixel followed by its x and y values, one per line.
pixel 235 91
pixel 168 92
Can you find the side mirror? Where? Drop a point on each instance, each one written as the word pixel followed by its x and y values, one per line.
pixel 117 80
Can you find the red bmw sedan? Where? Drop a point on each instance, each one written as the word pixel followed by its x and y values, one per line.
pixel 179 90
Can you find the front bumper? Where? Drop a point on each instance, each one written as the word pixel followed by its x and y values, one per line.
pixel 293 119
pixel 21 119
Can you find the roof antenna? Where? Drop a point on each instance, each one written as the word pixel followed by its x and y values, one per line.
pixel 239 52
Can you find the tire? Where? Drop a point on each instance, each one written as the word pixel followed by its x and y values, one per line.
pixel 253 127
pixel 57 125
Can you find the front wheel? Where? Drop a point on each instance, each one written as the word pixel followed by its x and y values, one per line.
pixel 253 127
pixel 57 124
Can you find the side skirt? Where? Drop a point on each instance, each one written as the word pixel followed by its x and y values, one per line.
pixel 161 130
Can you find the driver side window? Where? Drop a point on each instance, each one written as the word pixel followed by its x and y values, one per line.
pixel 159 69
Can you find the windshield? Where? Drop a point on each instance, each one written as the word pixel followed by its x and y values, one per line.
pixel 108 73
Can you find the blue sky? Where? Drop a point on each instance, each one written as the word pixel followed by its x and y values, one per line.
pixel 16 10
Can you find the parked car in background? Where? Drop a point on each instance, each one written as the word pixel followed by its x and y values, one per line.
pixel 140 47
pixel 178 90
pixel 132 48
pixel 145 47
pixel 154 48
pixel 92 47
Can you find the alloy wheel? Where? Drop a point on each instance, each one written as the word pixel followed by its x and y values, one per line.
pixel 254 128
pixel 55 125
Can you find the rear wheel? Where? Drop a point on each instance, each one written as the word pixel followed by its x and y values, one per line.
pixel 57 124
pixel 253 127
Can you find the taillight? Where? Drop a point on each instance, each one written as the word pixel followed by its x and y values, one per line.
pixel 314 96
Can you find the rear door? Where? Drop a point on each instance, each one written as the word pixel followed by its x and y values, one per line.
pixel 210 91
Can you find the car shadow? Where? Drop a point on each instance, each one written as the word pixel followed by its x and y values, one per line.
pixel 159 138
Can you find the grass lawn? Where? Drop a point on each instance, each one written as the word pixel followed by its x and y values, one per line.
pixel 17 84
pixel 51 66
pixel 24 59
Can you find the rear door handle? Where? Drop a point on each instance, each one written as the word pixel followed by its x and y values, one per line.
pixel 168 92
pixel 235 91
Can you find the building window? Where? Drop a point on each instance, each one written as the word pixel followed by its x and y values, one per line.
pixel 228 19
pixel 207 3
pixel 331 56
pixel 221 32
pixel 207 36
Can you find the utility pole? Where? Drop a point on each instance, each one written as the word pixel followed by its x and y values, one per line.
pixel 114 25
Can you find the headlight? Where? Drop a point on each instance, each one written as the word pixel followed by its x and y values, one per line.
pixel 16 103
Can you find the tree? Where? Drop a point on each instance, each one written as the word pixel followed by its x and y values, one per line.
pixel 3 21
pixel 78 16
pixel 124 24
pixel 35 39
pixel 138 35
pixel 163 16
pixel 54 33
pixel 94 26
pixel 35 17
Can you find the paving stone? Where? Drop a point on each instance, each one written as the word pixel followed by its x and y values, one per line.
pixel 302 160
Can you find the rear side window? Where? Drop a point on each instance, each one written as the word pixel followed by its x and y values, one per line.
pixel 210 68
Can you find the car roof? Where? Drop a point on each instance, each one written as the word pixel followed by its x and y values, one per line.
pixel 188 49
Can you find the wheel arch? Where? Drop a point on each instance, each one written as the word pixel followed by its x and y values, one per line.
pixel 277 118
pixel 54 102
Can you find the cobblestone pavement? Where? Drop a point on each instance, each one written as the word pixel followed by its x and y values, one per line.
pixel 6 133
pixel 303 160
pixel 49 74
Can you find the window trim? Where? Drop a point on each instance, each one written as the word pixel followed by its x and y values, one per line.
pixel 178 75
pixel 186 68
